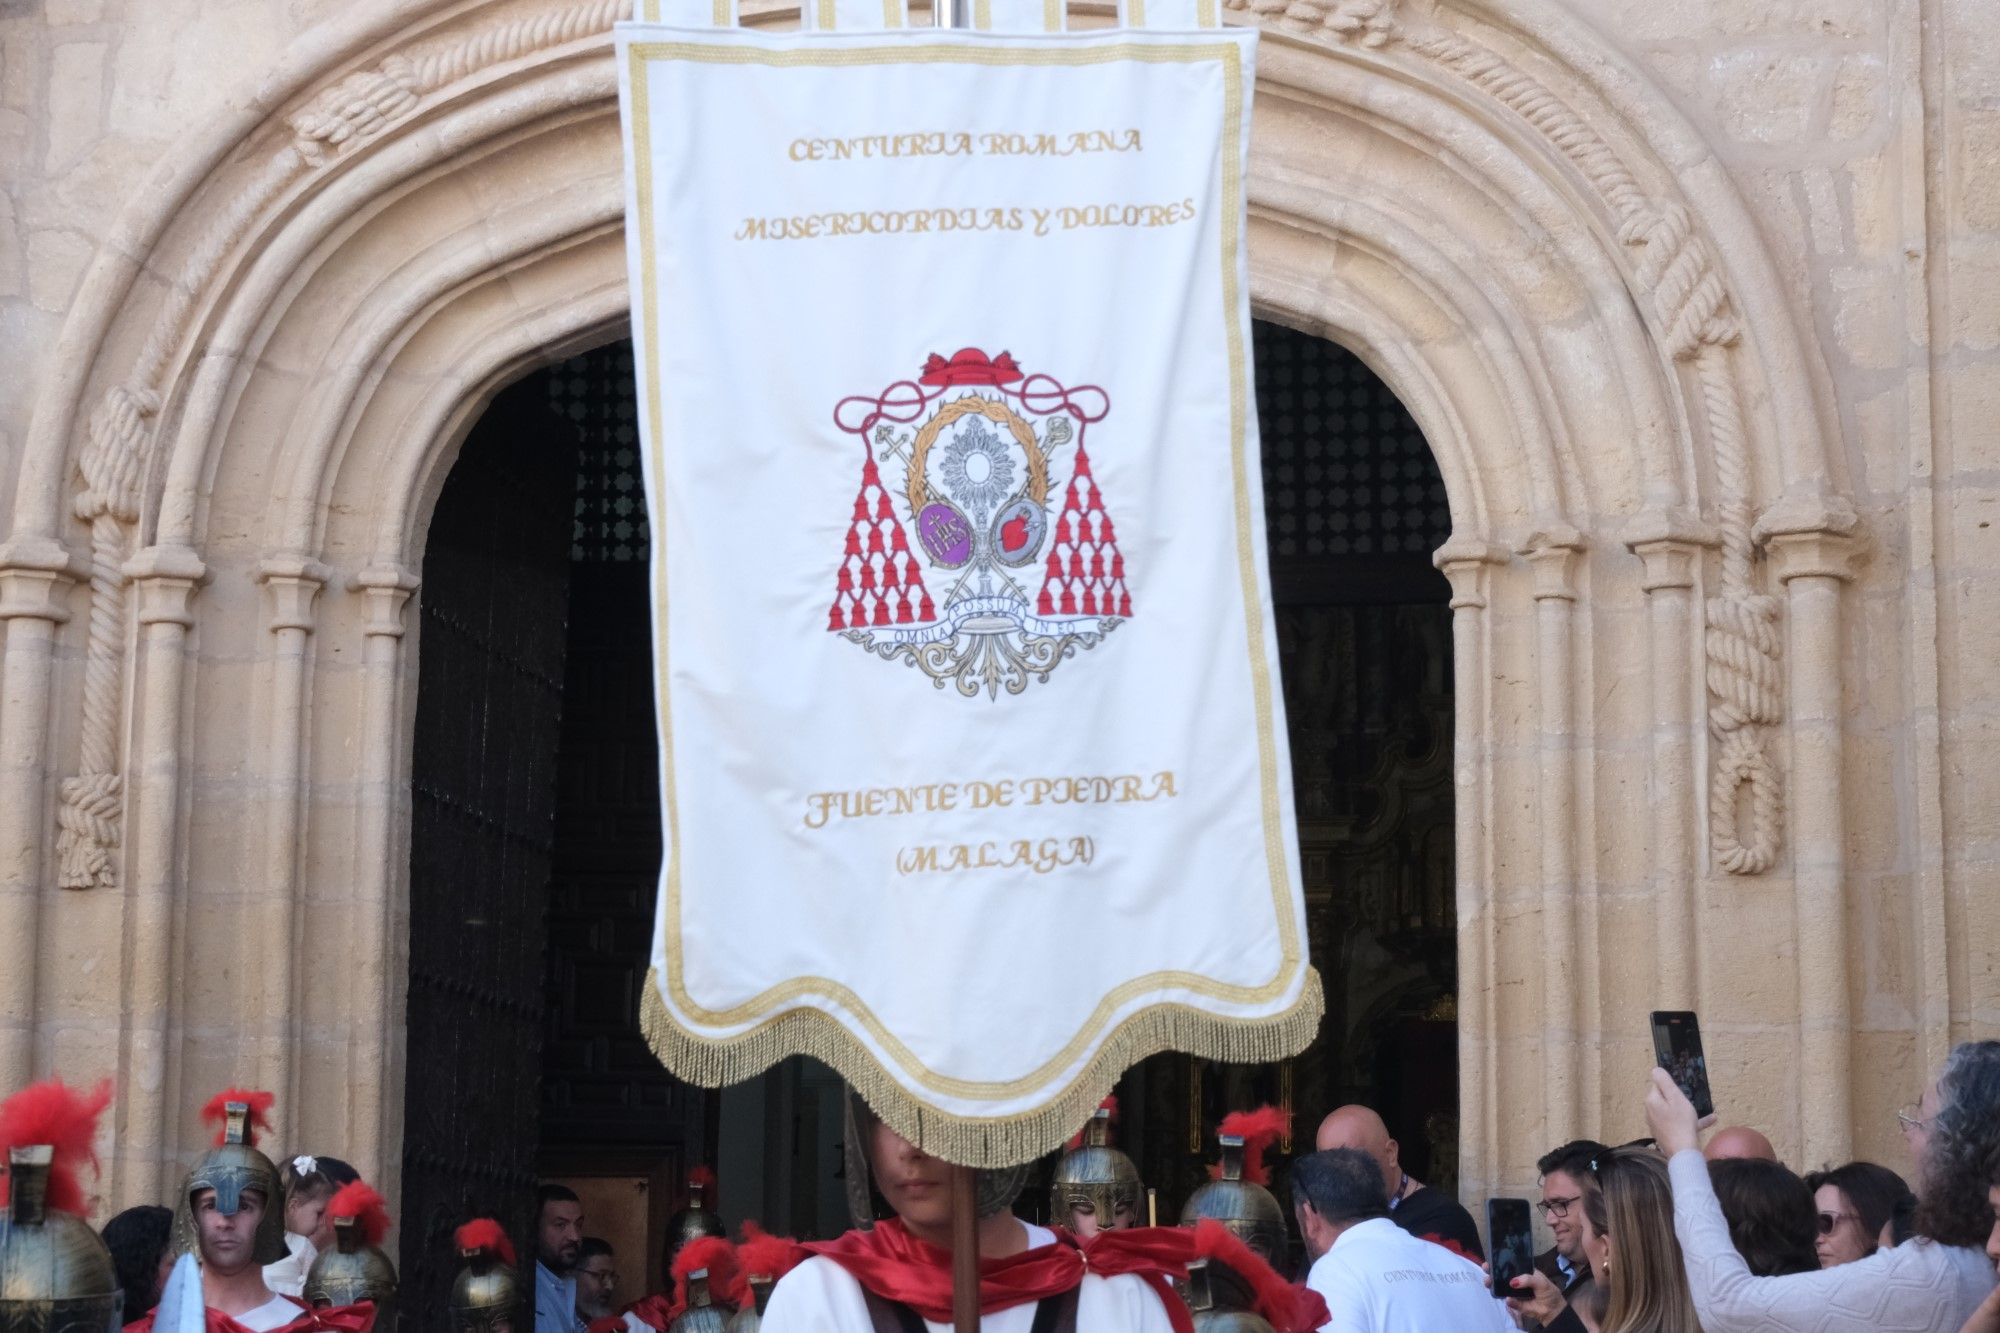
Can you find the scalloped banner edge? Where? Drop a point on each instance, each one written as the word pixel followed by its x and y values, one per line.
pixel 981 1141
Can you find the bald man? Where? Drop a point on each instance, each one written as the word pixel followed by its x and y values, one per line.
pixel 1413 1205
pixel 1739 1141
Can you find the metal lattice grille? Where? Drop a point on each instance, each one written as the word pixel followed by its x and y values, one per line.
pixel 1346 471
pixel 594 393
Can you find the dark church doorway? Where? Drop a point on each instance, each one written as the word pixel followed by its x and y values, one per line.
pixel 535 837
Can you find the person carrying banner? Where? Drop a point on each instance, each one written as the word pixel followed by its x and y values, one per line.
pixel 896 1276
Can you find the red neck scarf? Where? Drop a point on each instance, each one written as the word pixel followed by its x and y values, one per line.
pixel 340 1319
pixel 894 1265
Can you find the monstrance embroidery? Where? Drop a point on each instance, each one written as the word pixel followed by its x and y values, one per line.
pixel 957 474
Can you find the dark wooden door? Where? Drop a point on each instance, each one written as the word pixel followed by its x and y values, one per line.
pixel 494 604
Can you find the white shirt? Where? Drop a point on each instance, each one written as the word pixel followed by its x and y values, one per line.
pixel 819 1296
pixel 274 1313
pixel 287 1277
pixel 1917 1287
pixel 1378 1278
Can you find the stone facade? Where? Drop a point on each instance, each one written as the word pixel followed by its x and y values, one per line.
pixel 1695 300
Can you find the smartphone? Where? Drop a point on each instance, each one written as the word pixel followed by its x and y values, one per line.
pixel 1510 1240
pixel 1677 1048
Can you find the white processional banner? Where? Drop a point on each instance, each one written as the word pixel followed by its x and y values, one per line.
pixel 972 753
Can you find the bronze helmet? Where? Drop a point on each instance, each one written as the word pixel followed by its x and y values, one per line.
pixel 232 1168
pixel 693 1221
pixel 750 1319
pixel 487 1294
pixel 1097 1176
pixel 1249 1210
pixel 702 1315
pixel 351 1272
pixel 1217 1311
pixel 56 1276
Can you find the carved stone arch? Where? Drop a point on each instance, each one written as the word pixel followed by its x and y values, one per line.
pixel 268 370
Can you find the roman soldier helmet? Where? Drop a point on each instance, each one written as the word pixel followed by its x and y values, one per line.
pixel 696 1219
pixel 1094 1174
pixel 763 1259
pixel 997 1187
pixel 232 1167
pixel 56 1276
pixel 486 1294
pixel 355 1269
pixel 1236 1195
pixel 708 1286
pixel 1210 1317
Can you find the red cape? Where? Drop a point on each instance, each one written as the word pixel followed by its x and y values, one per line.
pixel 655 1311
pixel 891 1263
pixel 340 1319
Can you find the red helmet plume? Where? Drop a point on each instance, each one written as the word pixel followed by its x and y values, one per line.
pixel 1289 1309
pixel 703 1178
pixel 56 1114
pixel 369 1210
pixel 260 1103
pixel 1258 1129
pixel 725 1276
pixel 483 1233
pixel 764 1255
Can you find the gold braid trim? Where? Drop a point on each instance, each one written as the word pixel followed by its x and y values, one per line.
pixel 996 1141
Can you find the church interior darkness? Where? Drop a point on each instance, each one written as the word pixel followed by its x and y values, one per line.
pixel 535 836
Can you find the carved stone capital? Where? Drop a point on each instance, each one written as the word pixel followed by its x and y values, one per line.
pixel 1464 561
pixel 166 578
pixel 293 581
pixel 1668 542
pixel 36 574
pixel 388 588
pixel 1551 552
pixel 1811 536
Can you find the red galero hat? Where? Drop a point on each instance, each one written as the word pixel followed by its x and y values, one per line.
pixel 969 365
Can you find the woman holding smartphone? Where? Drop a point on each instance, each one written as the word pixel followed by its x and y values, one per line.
pixel 1930 1284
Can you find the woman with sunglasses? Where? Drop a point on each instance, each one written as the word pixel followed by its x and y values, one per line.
pixel 1930 1284
pixel 1862 1208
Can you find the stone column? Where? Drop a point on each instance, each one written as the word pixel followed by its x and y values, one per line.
pixel 164 579
pixel 1812 547
pixel 1467 563
pixel 1551 553
pixel 1669 545
pixel 292 584
pixel 373 1123
pixel 36 575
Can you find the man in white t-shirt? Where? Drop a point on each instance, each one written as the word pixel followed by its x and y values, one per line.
pixel 898 1273
pixel 1375 1276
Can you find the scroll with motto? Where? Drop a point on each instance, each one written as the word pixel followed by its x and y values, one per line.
pixel 972 755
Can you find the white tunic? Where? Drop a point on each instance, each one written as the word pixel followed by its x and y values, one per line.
pixel 819 1296
pixel 274 1313
pixel 1378 1278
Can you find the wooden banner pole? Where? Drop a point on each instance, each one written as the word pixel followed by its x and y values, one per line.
pixel 964 1250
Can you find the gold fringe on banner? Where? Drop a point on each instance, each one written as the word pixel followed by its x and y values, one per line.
pixel 994 1141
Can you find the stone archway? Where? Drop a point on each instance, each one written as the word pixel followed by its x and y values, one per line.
pixel 225 491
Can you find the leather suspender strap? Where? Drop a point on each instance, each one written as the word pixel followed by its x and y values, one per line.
pixel 891 1316
pixel 1057 1314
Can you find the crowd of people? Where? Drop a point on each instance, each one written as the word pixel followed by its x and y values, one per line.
pixel 1660 1235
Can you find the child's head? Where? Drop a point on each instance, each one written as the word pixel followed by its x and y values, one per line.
pixel 309 1186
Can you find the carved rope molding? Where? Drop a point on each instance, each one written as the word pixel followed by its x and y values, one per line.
pixel 120 439
pixel 1676 265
